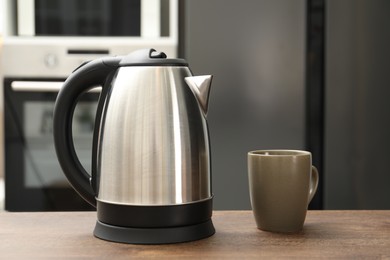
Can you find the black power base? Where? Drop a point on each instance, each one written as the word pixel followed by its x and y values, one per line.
pixel 154 224
pixel 166 235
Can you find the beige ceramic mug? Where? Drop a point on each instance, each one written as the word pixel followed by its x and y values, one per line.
pixel 281 183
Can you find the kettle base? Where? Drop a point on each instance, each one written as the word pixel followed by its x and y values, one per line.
pixel 167 235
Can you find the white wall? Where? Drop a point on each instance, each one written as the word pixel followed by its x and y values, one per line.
pixel 1 113
pixel 1 93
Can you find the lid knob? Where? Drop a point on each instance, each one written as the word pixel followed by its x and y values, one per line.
pixel 157 55
pixel 150 57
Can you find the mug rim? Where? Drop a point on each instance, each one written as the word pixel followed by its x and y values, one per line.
pixel 278 153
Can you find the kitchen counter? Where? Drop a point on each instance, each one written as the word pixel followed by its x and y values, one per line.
pixel 326 234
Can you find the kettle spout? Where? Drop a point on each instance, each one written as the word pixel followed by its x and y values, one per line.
pixel 200 86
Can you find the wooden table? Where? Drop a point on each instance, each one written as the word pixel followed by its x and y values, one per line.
pixel 326 234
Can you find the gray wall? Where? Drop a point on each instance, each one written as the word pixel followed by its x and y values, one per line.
pixel 256 52
pixel 358 105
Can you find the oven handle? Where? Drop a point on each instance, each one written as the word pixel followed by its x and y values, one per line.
pixel 41 86
pixel 82 79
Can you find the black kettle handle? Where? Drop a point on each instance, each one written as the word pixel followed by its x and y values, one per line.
pixel 85 77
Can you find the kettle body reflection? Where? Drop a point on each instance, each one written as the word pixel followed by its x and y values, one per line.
pixel 151 174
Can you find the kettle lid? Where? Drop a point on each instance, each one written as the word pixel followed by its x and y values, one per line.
pixel 150 57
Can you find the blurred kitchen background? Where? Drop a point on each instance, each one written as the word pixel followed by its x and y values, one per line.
pixel 293 74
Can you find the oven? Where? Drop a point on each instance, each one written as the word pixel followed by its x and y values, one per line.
pixel 34 180
pixel 43 42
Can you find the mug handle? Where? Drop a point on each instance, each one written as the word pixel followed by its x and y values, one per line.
pixel 313 183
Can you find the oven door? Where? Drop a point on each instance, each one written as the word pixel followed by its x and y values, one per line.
pixel 34 180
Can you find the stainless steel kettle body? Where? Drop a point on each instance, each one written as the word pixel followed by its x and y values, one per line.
pixel 151 175
pixel 153 147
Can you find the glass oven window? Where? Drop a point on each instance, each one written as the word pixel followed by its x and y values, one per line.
pixel 41 167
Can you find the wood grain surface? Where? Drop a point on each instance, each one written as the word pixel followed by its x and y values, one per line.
pixel 326 234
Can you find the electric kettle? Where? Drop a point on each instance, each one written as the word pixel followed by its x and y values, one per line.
pixel 151 177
